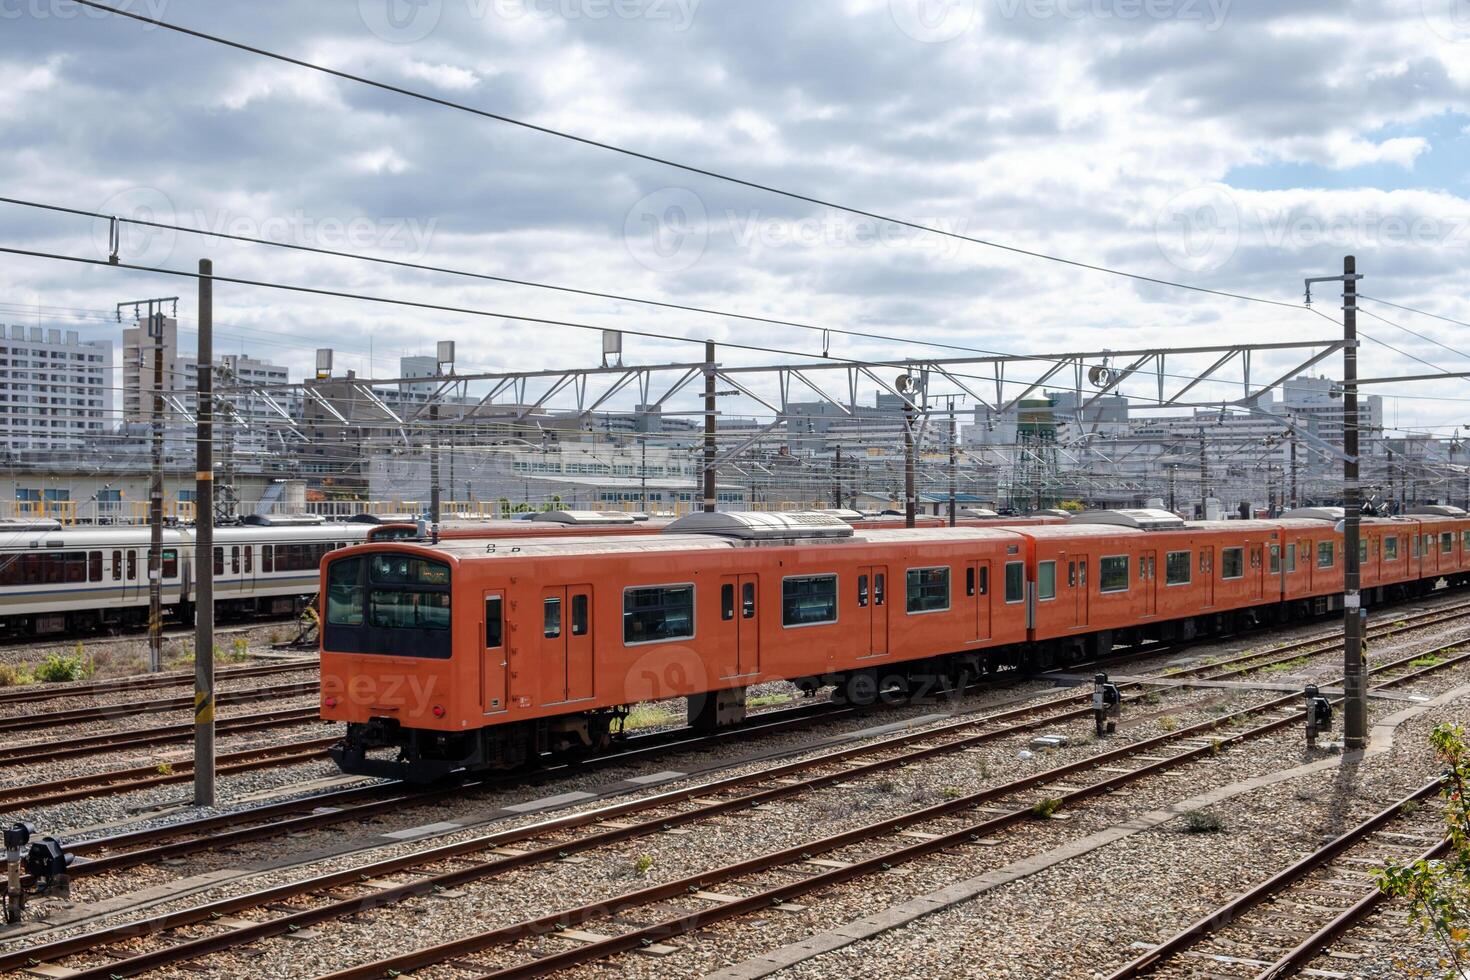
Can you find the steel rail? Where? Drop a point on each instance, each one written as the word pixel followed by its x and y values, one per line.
pixel 1295 960
pixel 33 752
pixel 1232 910
pixel 110 712
pixel 146 682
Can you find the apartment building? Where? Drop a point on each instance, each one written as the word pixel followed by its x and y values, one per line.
pixel 54 389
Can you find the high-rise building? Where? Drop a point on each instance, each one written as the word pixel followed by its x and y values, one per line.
pixel 54 389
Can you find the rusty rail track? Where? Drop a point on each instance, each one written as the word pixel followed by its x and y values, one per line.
pixel 148 682
pixel 111 712
pixel 1234 912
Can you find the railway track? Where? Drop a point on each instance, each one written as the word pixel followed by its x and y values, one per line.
pixel 146 682
pixel 368 887
pixel 109 712
pixel 1277 927
pixel 131 635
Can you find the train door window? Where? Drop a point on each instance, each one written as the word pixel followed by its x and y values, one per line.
pixel 1232 563
pixel 808 600
pixel 234 559
pixel 1015 581
pixel 170 564
pixel 1255 558
pixel 1275 559
pixel 117 571
pixel 1465 540
pixel 1362 551
pixel 879 589
pixel 249 558
pixel 727 602
pixel 579 614
pixel 551 619
pixel 494 622
pixel 985 579
pixel 1446 543
pixel 1071 574
pixel 1415 546
pixel 94 566
pixel 267 558
pixel 927 589
pixel 1391 548
pixel 1112 573
pixel 219 561
pixel 747 601
pixel 1046 580
pixel 132 565
pixel 1291 558
pixel 970 581
pixel 1326 554
pixel 862 591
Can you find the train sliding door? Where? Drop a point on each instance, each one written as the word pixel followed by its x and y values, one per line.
pixel 566 643
pixel 1080 592
pixel 873 607
pixel 493 660
pixel 1147 566
pixel 740 638
pixel 977 590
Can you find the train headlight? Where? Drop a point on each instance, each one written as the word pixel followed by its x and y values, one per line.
pixel 438 711
pixel 330 702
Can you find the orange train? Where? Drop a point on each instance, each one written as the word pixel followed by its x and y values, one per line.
pixel 474 653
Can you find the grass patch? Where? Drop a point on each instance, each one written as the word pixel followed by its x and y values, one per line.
pixel 165 768
pixel 1044 808
pixel 16 675
pixel 1203 822
pixel 952 792
pixel 648 716
pixel 769 700
pixel 57 669
pixel 1168 723
pixel 1428 661
pixel 1285 665
pixel 642 864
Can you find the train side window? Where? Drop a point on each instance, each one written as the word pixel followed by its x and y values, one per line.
pixel 1232 563
pixel 1291 557
pixel 862 591
pixel 170 564
pixel 1391 549
pixel 1046 580
pixel 249 558
pixel 1326 554
pixel 970 581
pixel 1112 573
pixel 808 600
pixel 747 601
pixel 551 619
pixel 494 624
pixel 1465 540
pixel 234 559
pixel 1176 568
pixel 1415 548
pixel 727 602
pixel 653 614
pixel 928 589
pixel 117 570
pixel 579 614
pixel 219 561
pixel 267 558
pixel 879 589
pixel 94 566
pixel 1446 543
pixel 132 565
pixel 1015 581
pixel 1275 559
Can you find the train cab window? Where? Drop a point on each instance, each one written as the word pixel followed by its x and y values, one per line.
pixel 1391 548
pixel 267 558
pixel 234 559
pixel 1276 559
pixel 1232 563
pixel 170 564
pixel 928 589
pixel 658 613
pixel 344 591
pixel 1015 581
pixel 747 601
pixel 862 591
pixel 808 600
pixel 1291 558
pixel 1046 580
pixel 1326 554
pixel 879 589
pixel 132 565
pixel 551 618
pixel 117 568
pixel 1446 543
pixel 727 602
pixel 579 614
pixel 219 561
pixel 1112 572
pixel 494 622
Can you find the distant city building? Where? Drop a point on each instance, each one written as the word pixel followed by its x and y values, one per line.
pixel 55 389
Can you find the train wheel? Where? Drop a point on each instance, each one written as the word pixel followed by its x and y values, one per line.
pixel 859 688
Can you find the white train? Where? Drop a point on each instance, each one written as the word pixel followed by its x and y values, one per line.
pixel 62 580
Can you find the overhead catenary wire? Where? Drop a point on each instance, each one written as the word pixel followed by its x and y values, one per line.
pixel 665 161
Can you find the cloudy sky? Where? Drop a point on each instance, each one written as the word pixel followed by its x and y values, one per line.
pixel 1238 145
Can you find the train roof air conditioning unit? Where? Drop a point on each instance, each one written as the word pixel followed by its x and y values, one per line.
pixel 762 526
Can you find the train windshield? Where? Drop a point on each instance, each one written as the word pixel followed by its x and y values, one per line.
pixel 389 604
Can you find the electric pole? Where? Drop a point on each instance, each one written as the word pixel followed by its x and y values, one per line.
pixel 954 460
pixel 910 496
pixel 1355 700
pixel 204 546
pixel 709 427
pixel 155 332
pixel 837 479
